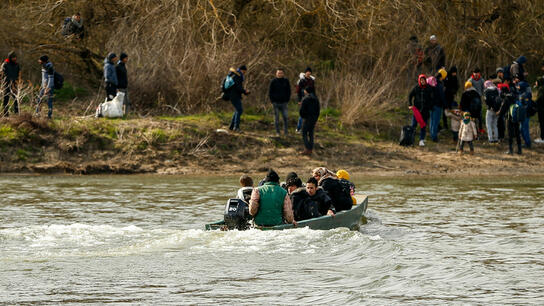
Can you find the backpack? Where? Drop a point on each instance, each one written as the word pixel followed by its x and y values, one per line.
pixel 58 80
pixel 492 99
pixel 517 112
pixel 506 71
pixel 406 136
pixel 476 107
pixel 227 84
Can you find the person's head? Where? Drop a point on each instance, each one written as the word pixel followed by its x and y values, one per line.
pixel 308 72
pixel 466 115
pixel 43 59
pixel 413 38
pixel 243 69
pixel 453 71
pixel 318 173
pixel 468 85
pixel 477 72
pixel 521 60
pixel 311 186
pixel 123 57
pixel 272 177
pixel 112 57
pixel 442 73
pixel 342 174
pixel 422 80
pixel 293 184
pixel 12 57
pixel 431 81
pixel 77 17
pixel 500 72
pixel 291 175
pixel 488 84
pixel 309 90
pixel 280 74
pixel 433 40
pixel 246 181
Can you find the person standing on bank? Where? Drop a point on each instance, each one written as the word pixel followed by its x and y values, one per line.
pixel 11 75
pixel 540 104
pixel 236 92
pixel 48 85
pixel 122 80
pixel 110 76
pixel 435 57
pixel 280 93
pixel 306 79
pixel 309 112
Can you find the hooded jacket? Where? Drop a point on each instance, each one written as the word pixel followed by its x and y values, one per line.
pixel 421 97
pixel 122 78
pixel 517 70
pixel 340 199
pixel 303 83
pixel 467 98
pixel 324 202
pixel 279 91
pixel 110 75
pixel 48 75
pixel 238 88
pixel 310 109
pixel 303 207
pixel 477 83
pixel 468 132
pixel 10 70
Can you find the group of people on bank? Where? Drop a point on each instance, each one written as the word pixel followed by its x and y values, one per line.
pixel 506 96
pixel 279 94
pixel 272 203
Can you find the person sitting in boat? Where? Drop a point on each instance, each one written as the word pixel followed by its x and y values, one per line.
pixel 303 207
pixel 343 176
pixel 320 197
pixel 327 180
pixel 244 193
pixel 270 204
pixel 290 175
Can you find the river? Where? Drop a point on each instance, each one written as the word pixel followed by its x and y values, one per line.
pixel 140 240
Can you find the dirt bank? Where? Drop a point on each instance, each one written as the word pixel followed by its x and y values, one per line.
pixel 201 145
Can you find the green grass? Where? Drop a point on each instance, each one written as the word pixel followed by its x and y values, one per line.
pixel 69 92
pixel 7 133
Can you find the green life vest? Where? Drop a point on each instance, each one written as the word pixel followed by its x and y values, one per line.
pixel 270 204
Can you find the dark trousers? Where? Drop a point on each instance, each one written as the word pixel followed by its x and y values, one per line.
pixel 49 98
pixel 541 121
pixel 308 127
pixel 470 145
pixel 513 131
pixel 238 110
pixel 10 91
pixel 501 127
pixel 111 91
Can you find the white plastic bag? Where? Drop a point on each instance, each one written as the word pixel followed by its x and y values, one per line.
pixel 113 108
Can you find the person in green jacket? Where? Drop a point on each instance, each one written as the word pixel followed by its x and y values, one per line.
pixel 270 204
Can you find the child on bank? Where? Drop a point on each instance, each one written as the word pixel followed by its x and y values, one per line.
pixel 467 133
pixel 455 117
pixel 244 193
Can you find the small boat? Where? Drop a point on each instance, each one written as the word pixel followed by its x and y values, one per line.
pixel 346 218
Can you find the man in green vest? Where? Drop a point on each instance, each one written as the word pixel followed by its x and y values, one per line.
pixel 270 204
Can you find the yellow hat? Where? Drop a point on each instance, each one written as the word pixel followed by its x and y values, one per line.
pixel 468 84
pixel 443 73
pixel 342 174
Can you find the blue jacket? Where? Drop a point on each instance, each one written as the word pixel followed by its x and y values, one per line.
pixel 110 75
pixel 48 75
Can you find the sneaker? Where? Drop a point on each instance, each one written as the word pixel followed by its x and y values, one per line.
pixel 298 131
pixel 421 143
pixel 539 140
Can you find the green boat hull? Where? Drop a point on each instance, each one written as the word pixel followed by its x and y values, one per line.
pixel 348 218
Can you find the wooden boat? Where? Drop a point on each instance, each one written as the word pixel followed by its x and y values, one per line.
pixel 347 218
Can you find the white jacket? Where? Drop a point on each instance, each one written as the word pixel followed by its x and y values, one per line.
pixel 468 132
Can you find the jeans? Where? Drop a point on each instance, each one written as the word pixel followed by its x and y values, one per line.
pixel 49 101
pixel 235 121
pixel 308 128
pixel 513 131
pixel 491 121
pixel 111 91
pixel 10 91
pixel 423 131
pixel 525 133
pixel 299 124
pixel 126 101
pixel 470 145
pixel 501 127
pixel 280 108
pixel 436 116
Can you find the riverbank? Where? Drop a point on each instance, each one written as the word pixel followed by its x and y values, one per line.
pixel 202 144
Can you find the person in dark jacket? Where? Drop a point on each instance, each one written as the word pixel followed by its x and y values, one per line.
pixel 341 199
pixel 451 87
pixel 319 196
pixel 517 69
pixel 235 94
pixel 306 80
pixel 11 74
pixel 421 97
pixel 435 57
pixel 48 85
pixel 122 80
pixel 540 104
pixel 309 112
pixel 508 97
pixel 279 93
pixel 110 76
pixel 73 26
pixel 438 105
pixel 303 207
pixel 467 98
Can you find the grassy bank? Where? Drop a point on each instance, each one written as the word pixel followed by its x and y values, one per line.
pixel 200 144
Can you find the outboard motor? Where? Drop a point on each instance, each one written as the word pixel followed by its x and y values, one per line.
pixel 237 214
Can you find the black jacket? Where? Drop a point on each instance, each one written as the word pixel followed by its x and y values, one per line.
pixel 341 199
pixel 324 202
pixel 467 99
pixel 507 99
pixel 310 109
pixel 238 88
pixel 422 98
pixel 122 79
pixel 10 71
pixel 303 207
pixel 279 91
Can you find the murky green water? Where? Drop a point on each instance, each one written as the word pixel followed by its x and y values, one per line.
pixel 139 239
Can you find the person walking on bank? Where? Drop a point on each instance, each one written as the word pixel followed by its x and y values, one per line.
pixel 435 57
pixel 540 104
pixel 238 75
pixel 110 76
pixel 421 98
pixel 48 85
pixel 306 79
pixel 280 93
pixel 309 112
pixel 122 80
pixel 11 75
